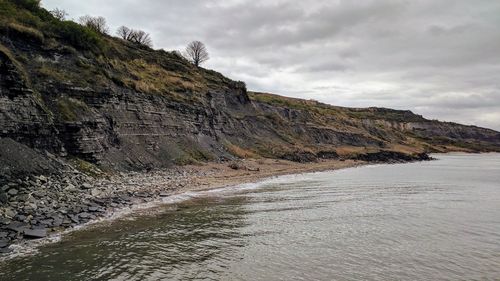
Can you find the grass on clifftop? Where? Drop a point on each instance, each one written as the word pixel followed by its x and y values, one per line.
pixel 27 19
pixel 314 106
pixel 93 59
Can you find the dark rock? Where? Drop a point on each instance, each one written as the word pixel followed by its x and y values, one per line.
pixel 327 155
pixel 47 222
pixel 74 219
pixel 125 198
pixel 84 215
pixel 10 213
pixel 57 222
pixel 3 197
pixel 20 217
pixel 12 192
pixel 17 227
pixel 236 166
pixel 164 194
pixel 5 250
pixel 43 178
pixel 4 243
pixel 299 156
pixel 391 156
pixel 35 233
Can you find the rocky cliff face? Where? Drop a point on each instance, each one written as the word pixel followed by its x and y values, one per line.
pixel 125 107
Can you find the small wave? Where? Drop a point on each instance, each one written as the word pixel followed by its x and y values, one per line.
pixel 30 247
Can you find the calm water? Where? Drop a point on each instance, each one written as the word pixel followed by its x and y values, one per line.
pixel 437 220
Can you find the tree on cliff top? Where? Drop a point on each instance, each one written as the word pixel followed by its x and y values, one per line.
pixel 59 14
pixel 196 52
pixel 135 36
pixel 97 24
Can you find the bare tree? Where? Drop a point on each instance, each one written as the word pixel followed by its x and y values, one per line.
pixel 59 14
pixel 196 52
pixel 124 32
pixel 142 38
pixel 135 36
pixel 97 24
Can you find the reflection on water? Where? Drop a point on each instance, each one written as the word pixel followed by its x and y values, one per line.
pixel 436 220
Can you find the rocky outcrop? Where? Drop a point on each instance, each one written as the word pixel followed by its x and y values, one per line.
pixel 117 127
pixel 392 157
pixel 126 107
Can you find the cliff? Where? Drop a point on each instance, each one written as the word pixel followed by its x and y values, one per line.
pixel 72 98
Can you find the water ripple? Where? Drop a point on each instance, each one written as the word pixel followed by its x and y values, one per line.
pixel 437 220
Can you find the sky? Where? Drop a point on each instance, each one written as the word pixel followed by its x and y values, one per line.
pixel 440 58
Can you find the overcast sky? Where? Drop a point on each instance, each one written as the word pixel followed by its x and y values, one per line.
pixel 440 58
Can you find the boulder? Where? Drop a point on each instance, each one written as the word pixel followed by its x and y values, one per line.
pixel 9 213
pixel 17 226
pixel 42 178
pixel 13 192
pixel 4 243
pixel 84 215
pixel 5 250
pixel 3 197
pixel 35 233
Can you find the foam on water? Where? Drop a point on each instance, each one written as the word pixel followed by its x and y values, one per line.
pixel 435 220
pixel 30 247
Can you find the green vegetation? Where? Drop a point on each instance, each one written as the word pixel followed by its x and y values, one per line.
pixel 10 57
pixel 98 59
pixel 27 18
pixel 300 104
pixel 32 5
pixel 192 156
pixel 315 107
pixel 85 167
pixel 70 109
pixel 78 36
pixel 385 114
pixel 19 30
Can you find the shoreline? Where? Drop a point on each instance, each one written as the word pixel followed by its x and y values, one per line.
pixel 49 207
pixel 106 199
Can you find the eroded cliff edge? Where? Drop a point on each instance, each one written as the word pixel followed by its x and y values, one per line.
pixel 112 105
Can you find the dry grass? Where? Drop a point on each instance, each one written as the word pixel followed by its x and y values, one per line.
pixel 240 152
pixel 407 149
pixel 71 109
pixel 152 78
pixel 350 150
pixel 25 31
pixel 10 57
